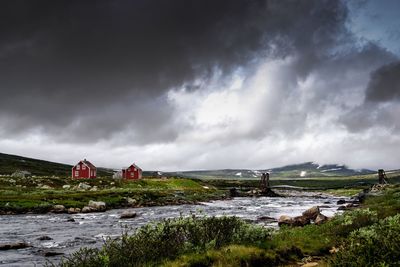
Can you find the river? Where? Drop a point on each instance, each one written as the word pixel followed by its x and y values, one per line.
pixel 90 229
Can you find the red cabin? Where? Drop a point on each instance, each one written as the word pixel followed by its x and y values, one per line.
pixel 133 172
pixel 84 169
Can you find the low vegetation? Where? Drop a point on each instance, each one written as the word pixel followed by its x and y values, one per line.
pixel 154 243
pixel 369 236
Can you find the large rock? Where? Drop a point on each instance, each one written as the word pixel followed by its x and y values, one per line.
pixel 311 213
pixel 86 209
pixel 301 221
pixel 97 205
pixel 128 214
pixel 320 219
pixel 131 201
pixel 58 209
pixel 15 245
pixel 74 210
pixel 285 220
pixel 66 186
pixel 84 186
pixel 295 221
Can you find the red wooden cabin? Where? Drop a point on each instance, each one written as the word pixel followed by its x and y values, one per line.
pixel 84 169
pixel 133 172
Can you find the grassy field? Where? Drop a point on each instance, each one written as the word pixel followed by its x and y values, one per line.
pixel 41 194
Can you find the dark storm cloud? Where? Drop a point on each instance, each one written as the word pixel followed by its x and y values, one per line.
pixel 384 84
pixel 98 69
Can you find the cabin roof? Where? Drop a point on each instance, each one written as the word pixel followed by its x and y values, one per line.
pixel 87 163
pixel 134 165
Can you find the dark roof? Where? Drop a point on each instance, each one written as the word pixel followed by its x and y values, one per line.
pixel 89 164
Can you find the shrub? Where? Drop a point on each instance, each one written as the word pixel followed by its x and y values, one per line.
pixel 376 245
pixel 168 239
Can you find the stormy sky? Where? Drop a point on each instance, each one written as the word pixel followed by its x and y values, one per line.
pixel 188 84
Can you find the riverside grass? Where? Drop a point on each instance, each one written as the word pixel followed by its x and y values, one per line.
pixel 27 195
pixel 239 243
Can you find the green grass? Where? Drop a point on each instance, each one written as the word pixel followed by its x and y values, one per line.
pixel 24 195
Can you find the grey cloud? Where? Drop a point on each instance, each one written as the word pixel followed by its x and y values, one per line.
pixel 384 84
pixel 88 71
pixel 381 105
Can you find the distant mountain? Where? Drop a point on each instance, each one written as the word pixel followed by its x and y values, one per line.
pixel 307 169
pixel 11 163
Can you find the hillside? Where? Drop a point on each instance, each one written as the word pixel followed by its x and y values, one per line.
pixel 12 163
pixel 308 169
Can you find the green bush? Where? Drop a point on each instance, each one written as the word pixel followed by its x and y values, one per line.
pixel 168 239
pixel 376 245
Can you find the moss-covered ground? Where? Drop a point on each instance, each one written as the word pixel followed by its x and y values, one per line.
pixel 19 195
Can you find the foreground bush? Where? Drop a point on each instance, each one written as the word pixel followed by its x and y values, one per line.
pixel 376 245
pixel 168 239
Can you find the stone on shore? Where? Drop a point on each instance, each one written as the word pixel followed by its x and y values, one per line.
pixel 74 210
pixel 84 186
pixel 320 219
pixel 58 209
pixel 97 205
pixel 311 213
pixel 86 209
pixel 285 220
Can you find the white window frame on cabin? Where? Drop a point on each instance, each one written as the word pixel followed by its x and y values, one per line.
pixel 76 173
pixel 78 167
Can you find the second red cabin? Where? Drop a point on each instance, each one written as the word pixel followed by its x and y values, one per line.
pixel 132 172
pixel 84 169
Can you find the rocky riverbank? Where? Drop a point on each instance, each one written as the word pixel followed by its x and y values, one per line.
pixel 98 195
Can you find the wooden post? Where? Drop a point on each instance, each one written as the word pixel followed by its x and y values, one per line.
pixel 382 176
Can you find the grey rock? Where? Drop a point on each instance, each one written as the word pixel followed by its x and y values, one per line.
pixel 128 214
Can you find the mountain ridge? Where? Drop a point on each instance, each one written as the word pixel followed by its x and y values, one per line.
pixel 11 163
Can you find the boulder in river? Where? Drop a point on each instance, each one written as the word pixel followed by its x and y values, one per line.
pixel 15 245
pixel 58 209
pixel 52 253
pixel 44 237
pixel 311 213
pixel 341 201
pixel 128 214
